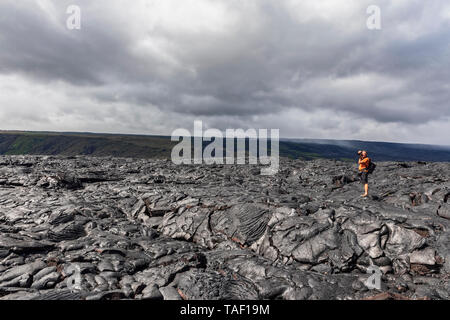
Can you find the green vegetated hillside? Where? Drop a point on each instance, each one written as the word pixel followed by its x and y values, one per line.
pixel 140 146
pixel 67 144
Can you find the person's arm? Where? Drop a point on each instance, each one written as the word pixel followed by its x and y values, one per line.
pixel 364 161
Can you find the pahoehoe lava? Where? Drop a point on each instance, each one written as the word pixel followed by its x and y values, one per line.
pixel 149 229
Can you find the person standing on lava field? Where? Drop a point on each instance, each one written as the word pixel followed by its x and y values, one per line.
pixel 364 162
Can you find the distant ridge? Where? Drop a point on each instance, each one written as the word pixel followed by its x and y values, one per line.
pixel 380 151
pixel 148 146
pixel 75 143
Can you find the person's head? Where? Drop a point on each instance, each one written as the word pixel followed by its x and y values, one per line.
pixel 364 153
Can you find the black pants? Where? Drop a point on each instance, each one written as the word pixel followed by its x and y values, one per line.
pixel 364 177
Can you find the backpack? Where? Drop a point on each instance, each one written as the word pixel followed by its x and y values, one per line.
pixel 371 167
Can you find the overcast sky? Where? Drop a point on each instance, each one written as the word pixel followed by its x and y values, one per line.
pixel 310 68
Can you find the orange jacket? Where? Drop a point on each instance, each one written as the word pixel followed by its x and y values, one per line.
pixel 364 164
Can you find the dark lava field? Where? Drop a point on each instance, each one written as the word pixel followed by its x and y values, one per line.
pixel 116 228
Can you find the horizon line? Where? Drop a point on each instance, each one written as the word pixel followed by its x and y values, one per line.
pixel 165 136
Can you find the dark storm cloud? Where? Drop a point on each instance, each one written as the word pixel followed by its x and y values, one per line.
pixel 233 62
